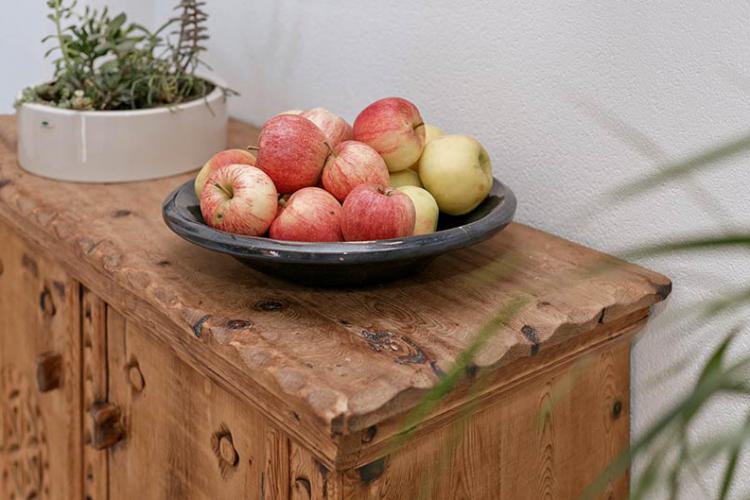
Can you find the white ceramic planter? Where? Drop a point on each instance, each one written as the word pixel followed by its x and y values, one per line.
pixel 121 146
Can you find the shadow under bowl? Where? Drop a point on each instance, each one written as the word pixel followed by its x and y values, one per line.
pixel 342 264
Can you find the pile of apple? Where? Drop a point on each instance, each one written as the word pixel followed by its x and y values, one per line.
pixel 317 178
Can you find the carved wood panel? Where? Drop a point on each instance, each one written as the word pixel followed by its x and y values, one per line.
pixel 40 405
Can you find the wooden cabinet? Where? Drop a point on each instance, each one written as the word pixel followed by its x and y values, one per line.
pixel 134 365
pixel 40 375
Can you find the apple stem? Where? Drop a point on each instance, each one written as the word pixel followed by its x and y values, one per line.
pixel 253 148
pixel 420 124
pixel 224 190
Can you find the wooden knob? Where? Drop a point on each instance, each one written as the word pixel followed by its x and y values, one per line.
pixel 106 429
pixel 49 368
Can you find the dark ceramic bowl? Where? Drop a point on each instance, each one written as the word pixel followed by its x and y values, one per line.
pixel 341 264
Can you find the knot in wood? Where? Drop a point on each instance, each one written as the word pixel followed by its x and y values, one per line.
pixel 46 304
pixel 223 447
pixel 135 376
pixel 270 305
pixel 617 409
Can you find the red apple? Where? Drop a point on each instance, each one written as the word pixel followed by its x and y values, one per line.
pixel 373 212
pixel 353 163
pixel 221 159
pixel 335 128
pixel 310 214
pixel 395 129
pixel 239 199
pixel 292 151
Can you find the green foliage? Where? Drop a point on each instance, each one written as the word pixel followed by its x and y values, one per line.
pixel 103 62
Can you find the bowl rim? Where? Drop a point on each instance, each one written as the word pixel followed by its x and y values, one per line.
pixel 350 252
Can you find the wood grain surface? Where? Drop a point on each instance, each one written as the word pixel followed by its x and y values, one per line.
pixel 318 362
pixel 40 427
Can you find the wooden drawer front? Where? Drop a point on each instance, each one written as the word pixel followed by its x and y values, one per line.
pixel 40 397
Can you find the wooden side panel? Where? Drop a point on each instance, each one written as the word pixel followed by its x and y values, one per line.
pixel 184 437
pixel 94 354
pixel 40 368
pixel 310 479
pixel 547 439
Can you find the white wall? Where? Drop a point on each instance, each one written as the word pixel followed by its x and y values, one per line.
pixel 535 82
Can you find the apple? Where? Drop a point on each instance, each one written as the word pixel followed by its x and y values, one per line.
pixel 310 214
pixel 239 199
pixel 372 212
pixel 292 151
pixel 335 128
pixel 406 177
pixel 425 208
pixel 430 132
pixel 353 163
pixel 221 159
pixel 291 112
pixel 395 129
pixel 456 170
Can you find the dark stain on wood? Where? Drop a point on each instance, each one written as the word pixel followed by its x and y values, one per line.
pixel 163 263
pixel 417 355
pixel 369 434
pixel 5 182
pixel 198 326
pixel 239 324
pixel 2 268
pixel 345 322
pixel 270 305
pixel 46 304
pixel 471 370
pixel 530 333
pixel 119 214
pixel 372 471
pixel 59 287
pixel 29 263
pixel 301 482
pixel 616 409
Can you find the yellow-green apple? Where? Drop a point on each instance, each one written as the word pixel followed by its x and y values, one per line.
pixel 372 212
pixel 239 199
pixel 425 208
pixel 310 214
pixel 221 159
pixel 335 128
pixel 430 132
pixel 353 163
pixel 292 151
pixel 406 177
pixel 457 172
pixel 394 128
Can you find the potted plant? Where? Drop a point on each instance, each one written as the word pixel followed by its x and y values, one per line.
pixel 125 103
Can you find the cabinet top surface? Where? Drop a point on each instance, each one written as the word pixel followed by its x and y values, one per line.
pixel 339 353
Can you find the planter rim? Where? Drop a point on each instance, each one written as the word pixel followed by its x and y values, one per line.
pixel 218 91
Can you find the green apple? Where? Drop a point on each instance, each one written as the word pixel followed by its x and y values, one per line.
pixel 406 177
pixel 430 132
pixel 456 170
pixel 425 207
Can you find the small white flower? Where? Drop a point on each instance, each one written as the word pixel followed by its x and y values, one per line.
pixel 78 93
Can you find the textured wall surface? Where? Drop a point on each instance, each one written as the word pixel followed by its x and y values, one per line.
pixel 551 89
